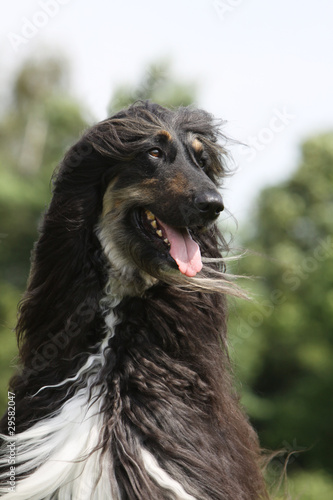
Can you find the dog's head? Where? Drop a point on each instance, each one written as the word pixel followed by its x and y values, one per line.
pixel 157 173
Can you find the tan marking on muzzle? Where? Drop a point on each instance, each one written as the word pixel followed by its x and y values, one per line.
pixel 108 200
pixel 149 183
pixel 178 184
pixel 116 199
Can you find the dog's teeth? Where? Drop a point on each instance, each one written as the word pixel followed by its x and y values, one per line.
pixel 154 223
pixel 150 215
pixel 159 233
pixel 166 241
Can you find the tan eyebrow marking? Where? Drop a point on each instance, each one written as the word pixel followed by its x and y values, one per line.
pixel 114 199
pixel 197 145
pixel 166 134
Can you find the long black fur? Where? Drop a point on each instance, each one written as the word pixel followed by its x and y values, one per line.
pixel 167 371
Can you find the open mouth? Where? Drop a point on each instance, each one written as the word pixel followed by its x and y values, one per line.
pixel 175 241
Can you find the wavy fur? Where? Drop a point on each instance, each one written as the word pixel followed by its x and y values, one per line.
pixel 125 389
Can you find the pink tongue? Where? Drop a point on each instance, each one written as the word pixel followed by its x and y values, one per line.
pixel 184 250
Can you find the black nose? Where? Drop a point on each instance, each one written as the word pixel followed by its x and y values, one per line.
pixel 209 203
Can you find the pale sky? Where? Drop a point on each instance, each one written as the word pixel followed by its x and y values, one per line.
pixel 264 66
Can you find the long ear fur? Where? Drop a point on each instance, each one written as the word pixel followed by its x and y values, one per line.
pixel 60 313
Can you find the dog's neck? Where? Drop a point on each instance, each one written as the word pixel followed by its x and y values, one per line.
pixel 125 279
pixel 128 282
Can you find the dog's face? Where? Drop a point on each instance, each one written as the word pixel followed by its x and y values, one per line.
pixel 159 200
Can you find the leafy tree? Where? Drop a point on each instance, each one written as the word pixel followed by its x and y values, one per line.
pixel 283 341
pixel 156 84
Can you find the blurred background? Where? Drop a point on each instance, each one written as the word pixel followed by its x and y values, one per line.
pixel 266 69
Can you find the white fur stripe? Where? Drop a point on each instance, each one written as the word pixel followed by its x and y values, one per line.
pixel 61 448
pixel 162 478
pixel 94 362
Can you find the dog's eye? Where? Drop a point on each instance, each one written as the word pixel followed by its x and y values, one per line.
pixel 202 163
pixel 155 153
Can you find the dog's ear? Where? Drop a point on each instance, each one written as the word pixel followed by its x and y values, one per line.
pixel 68 267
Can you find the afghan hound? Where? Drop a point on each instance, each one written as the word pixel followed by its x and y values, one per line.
pixel 125 390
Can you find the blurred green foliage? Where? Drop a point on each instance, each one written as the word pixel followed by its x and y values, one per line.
pixel 156 84
pixel 305 485
pixel 282 341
